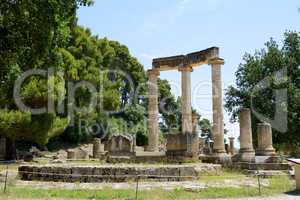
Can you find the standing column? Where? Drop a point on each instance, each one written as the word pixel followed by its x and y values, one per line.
pixel 218 124
pixel 246 151
pixel 265 141
pixel 187 126
pixel 153 110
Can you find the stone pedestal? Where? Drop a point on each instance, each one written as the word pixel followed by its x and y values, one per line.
pixel 231 145
pixel 246 153
pixel 2 148
pixel 98 148
pixel 187 127
pixel 265 142
pixel 218 124
pixel 153 111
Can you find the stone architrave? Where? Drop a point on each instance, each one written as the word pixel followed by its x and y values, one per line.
pixel 153 111
pixel 98 148
pixel 186 101
pixel 231 145
pixel 246 152
pixel 265 141
pixel 218 123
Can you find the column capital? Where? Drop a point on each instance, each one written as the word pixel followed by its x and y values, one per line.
pixel 153 72
pixel 185 69
pixel 216 61
pixel 231 138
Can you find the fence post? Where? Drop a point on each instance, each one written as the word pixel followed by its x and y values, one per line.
pixel 137 187
pixel 5 182
pixel 259 185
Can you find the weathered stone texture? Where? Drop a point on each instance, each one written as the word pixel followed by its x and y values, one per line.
pixel 113 173
pixel 120 145
pixel 98 148
pixel 153 111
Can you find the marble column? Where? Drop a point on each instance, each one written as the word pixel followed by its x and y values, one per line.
pixel 153 111
pixel 186 100
pixel 265 141
pixel 231 145
pixel 218 124
pixel 246 151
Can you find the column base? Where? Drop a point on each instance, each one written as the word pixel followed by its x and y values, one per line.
pixel 149 149
pixel 266 152
pixel 220 158
pixel 245 156
pixel 219 151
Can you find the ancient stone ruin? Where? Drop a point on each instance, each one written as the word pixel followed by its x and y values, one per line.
pixel 186 143
pixel 120 145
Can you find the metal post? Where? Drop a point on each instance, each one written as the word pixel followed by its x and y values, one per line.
pixel 5 183
pixel 259 185
pixel 137 187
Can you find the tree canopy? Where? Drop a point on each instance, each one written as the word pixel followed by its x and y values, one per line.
pixel 43 34
pixel 268 82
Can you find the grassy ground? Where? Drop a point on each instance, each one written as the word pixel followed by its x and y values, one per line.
pixel 278 185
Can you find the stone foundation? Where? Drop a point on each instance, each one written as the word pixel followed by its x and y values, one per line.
pixel 113 173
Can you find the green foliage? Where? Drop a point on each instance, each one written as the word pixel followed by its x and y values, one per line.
pixel 206 128
pixel 169 108
pixel 263 65
pixel 32 32
pixel 24 126
pixel 39 34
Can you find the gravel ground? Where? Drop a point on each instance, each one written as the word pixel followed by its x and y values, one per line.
pixel 187 185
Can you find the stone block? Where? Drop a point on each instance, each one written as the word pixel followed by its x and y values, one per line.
pixel 186 145
pixel 120 145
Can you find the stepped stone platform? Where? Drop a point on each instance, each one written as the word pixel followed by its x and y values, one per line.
pixel 114 173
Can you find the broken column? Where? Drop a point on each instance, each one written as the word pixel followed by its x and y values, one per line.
pixel 153 111
pixel 218 124
pixel 186 101
pixel 246 152
pixel 265 142
pixel 98 148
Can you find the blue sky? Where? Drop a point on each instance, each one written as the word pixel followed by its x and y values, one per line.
pixel 155 28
